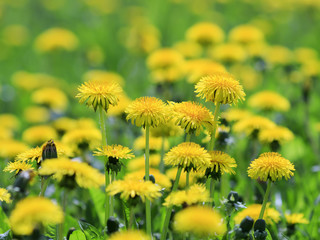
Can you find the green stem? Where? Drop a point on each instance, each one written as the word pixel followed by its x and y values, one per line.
pixel 104 143
pixel 148 203
pixel 161 166
pixel 187 180
pixel 111 198
pixel 188 137
pixel 60 227
pixel 215 124
pixel 169 209
pixel 212 189
pixel 265 199
pixel 44 185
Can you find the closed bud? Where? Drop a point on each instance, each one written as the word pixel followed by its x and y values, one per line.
pixel 246 224
pixel 49 150
pixel 112 225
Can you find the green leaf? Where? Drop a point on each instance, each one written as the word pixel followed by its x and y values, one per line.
pixel 89 231
pixel 77 235
pixel 4 226
pixel 6 235
pixel 98 198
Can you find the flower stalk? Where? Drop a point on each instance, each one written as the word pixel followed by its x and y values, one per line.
pixel 265 199
pixel 148 203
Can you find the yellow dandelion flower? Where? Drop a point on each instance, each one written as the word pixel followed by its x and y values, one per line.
pixel 147 111
pixel 277 133
pixel 271 215
pixel 235 114
pixel 160 179
pixel 301 55
pixel 82 139
pixel 86 123
pixel 84 175
pixel 39 134
pixel 56 38
pixel 220 88
pixel 33 211
pixel 311 68
pixel 252 124
pixel 5 133
pixel 172 173
pixel 221 162
pixel 228 53
pixel 115 151
pixel 5 196
pixel 11 148
pixel 271 166
pixel 154 143
pixel 52 97
pixel 119 109
pixel 167 129
pixel 36 114
pixel 191 116
pixel 197 193
pixel 200 221
pixel 15 35
pixel 9 121
pixel 278 55
pixel 256 49
pixel 205 33
pixel 132 188
pixel 196 72
pixel 188 154
pixel 246 34
pixel 17 167
pixel 129 235
pixel 64 124
pixel 99 93
pixel 100 75
pixel 248 76
pixel 139 162
pixel 296 218
pixel 188 49
pixel 269 100
pixel 164 58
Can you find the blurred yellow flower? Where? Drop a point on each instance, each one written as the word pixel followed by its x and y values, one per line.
pixel 38 134
pixel 147 111
pixel 139 162
pixel 303 54
pixel 271 215
pixel 200 221
pixel 205 33
pixel 188 49
pixel 31 81
pixel 277 133
pixel 249 77
pixel 271 166
pixel 269 100
pixel 235 114
pixel 34 114
pixel 296 218
pixel 5 133
pixel 15 35
pixel 228 53
pixel 172 173
pixel 246 34
pixel 132 188
pixel 11 148
pixel 252 124
pixel 120 108
pixel 64 124
pixel 9 121
pixel 95 55
pixel 54 98
pixel 220 88
pixel 5 196
pixel 32 212
pixel 155 143
pixel 84 175
pixel 167 129
pixel 129 235
pixel 56 38
pixel 278 55
pixel 104 76
pixel 114 151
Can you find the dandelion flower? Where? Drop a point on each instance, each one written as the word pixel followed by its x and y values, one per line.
pixel 97 93
pixel 271 215
pixel 278 55
pixel 155 143
pixel 33 211
pixel 167 129
pixel 220 88
pixel 119 109
pixel 9 121
pixel 246 34
pixel 205 33
pixel 5 196
pixel 197 193
pixel 64 124
pixel 200 221
pixel 84 175
pixel 5 133
pixel 269 100
pixel 115 151
pixel 271 166
pixel 139 162
pixel 100 75
pixel 54 98
pixel 17 167
pixel 147 111
pixel 188 49
pixel 302 54
pixel 253 124
pixel 191 116
pixel 188 155
pixel 228 53
pixel 277 133
pixel 296 218
pixel 36 114
pixel 235 114
pixel 11 148
pixel 129 235
pixel 132 188
pixel 39 134
pixel 221 163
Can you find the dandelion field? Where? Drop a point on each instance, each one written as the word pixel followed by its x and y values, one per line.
pixel 171 119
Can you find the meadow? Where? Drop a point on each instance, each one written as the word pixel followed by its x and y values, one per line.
pixel 172 119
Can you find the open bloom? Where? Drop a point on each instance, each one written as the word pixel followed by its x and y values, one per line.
pixel 200 221
pixel 220 87
pixel 269 100
pixel 97 93
pixel 253 124
pixel 246 34
pixel 205 33
pixel 296 218
pixel 17 167
pixel 139 162
pixel 147 111
pixel 277 133
pixel 115 151
pixel 129 235
pixel 221 163
pixel 5 195
pixel 188 155
pixel 52 97
pixel 271 166
pixel 33 211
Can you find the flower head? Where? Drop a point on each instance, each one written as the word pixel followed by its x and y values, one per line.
pixel 11 148
pixel 205 33
pixel 36 114
pixel 188 49
pixel 198 220
pixel 147 111
pixel 52 97
pixel 195 194
pixel 191 116
pixel 246 34
pixel 296 218
pixel 279 55
pixel 9 121
pixel 167 129
pixel 97 93
pixel 100 75
pixel 139 162
pixel 17 167
pixel 269 100
pixel 271 215
pixel 221 163
pixel 39 134
pixel 228 53
pixel 253 124
pixel 32 211
pixel 271 166
pixel 277 133
pixel 220 88
pixel 115 151
pixel 5 196
pixel 84 175
pixel 235 114
pixel 132 188
pixel 188 155
pixel 129 235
